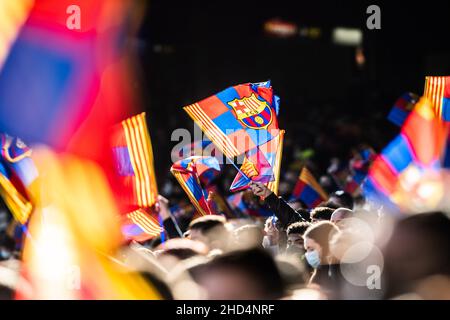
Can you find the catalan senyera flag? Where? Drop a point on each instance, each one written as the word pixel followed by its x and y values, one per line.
pixel 418 147
pixel 437 90
pixel 239 118
pixel 18 175
pixel 137 192
pixel 190 173
pixel 140 225
pixel 261 164
pixel 133 154
pixel 402 107
pixel 308 190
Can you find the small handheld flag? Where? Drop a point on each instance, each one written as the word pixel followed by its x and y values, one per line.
pixel 402 108
pixel 308 189
pixel 190 173
pixel 239 118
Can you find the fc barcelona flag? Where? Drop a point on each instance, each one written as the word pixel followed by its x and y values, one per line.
pixel 239 118
pixel 308 189
pixel 402 108
pixel 437 90
pixel 416 149
pixel 190 173
pixel 261 164
pixel 18 176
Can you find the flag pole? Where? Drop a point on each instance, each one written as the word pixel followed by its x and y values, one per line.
pixel 239 170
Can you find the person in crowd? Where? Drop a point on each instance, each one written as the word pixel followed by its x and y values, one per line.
pixel 295 241
pixel 248 236
pixel 271 239
pixel 418 252
pixel 210 230
pixel 318 255
pixel 342 199
pixel 321 214
pixel 249 274
pixel 284 212
pixel 339 215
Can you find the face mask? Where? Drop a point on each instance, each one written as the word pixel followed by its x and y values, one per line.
pixel 313 258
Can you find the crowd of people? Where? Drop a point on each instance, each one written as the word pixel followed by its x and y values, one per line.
pixel 344 248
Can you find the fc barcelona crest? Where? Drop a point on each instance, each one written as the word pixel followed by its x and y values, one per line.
pixel 252 112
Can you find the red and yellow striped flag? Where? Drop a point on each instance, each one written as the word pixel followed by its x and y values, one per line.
pixel 437 90
pixel 132 149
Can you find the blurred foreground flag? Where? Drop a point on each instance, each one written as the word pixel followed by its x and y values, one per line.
pixel 65 87
pixel 416 151
pixel 75 235
pixel 18 175
pixel 437 90
pixel 12 16
pixel 239 118
pixel 308 190
pixel 402 108
pixel 261 164
pixel 191 173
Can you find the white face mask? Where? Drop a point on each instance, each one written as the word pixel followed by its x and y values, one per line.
pixel 313 258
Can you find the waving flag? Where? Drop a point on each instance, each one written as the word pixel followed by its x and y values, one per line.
pixel 437 90
pixel 133 154
pixel 308 190
pixel 359 168
pixel 261 164
pixel 137 190
pixel 139 225
pixel 402 108
pixel 239 118
pixel 18 174
pixel 416 150
pixel 190 173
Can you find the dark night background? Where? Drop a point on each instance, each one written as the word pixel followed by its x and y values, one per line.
pixel 192 49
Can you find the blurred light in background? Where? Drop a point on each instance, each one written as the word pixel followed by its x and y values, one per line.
pixel 280 28
pixel 347 36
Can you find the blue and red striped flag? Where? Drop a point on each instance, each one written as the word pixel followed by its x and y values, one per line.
pixel 415 150
pixel 437 90
pixel 261 164
pixel 359 168
pixel 191 173
pixel 402 108
pixel 18 177
pixel 308 190
pixel 239 118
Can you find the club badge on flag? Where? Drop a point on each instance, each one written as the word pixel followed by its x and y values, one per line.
pixel 239 118
pixel 265 165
